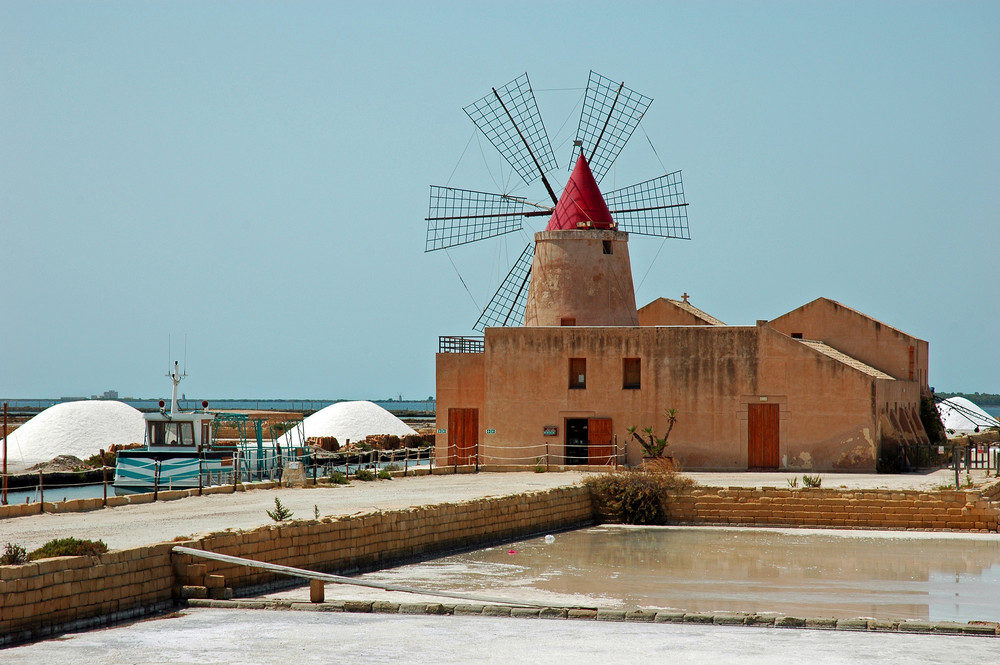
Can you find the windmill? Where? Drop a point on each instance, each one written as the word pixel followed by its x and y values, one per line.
pixel 509 118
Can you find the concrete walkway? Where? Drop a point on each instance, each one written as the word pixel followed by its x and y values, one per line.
pixel 144 524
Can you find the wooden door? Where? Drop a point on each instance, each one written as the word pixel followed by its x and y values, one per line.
pixel 463 436
pixel 762 436
pixel 600 449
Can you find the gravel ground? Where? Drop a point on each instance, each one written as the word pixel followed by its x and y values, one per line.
pixel 144 524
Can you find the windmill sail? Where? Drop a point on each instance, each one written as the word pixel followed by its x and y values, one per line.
pixel 654 208
pixel 509 118
pixel 610 114
pixel 460 216
pixel 507 306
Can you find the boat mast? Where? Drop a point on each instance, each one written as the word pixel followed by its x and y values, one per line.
pixel 176 377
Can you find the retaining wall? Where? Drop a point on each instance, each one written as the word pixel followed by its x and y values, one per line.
pixel 845 509
pixel 50 596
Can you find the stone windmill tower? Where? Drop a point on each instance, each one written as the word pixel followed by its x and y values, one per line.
pixel 577 272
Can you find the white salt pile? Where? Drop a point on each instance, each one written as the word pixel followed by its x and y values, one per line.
pixel 963 416
pixel 80 429
pixel 352 420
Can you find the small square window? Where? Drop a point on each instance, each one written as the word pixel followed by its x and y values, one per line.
pixel 631 373
pixel 577 373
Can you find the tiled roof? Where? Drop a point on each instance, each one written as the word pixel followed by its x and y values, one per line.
pixel 694 311
pixel 831 352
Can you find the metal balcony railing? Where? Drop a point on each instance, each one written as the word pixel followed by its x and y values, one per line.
pixel 451 344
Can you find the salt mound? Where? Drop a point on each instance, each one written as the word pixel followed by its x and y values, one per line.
pixel 961 415
pixel 80 429
pixel 351 420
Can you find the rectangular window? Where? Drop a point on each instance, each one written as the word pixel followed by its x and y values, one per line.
pixel 567 321
pixel 608 247
pixel 631 373
pixel 578 373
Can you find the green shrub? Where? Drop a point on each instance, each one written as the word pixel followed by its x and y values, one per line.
pixel 13 555
pixel 68 547
pixel 279 513
pixel 636 496
pixel 338 478
pixel 812 481
pixel 385 474
pixel 364 474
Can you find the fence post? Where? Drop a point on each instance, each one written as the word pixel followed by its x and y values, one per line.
pixel 41 490
pixel 104 479
pixel 958 463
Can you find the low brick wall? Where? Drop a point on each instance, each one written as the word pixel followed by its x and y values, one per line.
pixel 858 509
pixel 376 540
pixel 73 593
pixel 49 596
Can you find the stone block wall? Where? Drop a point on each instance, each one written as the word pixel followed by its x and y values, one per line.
pixel 40 598
pixel 375 540
pixel 859 509
pixel 49 596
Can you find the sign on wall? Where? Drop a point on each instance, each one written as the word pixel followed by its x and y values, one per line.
pixel 491 431
pixel 550 430
pixel 442 431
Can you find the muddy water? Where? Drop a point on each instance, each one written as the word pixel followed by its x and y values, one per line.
pixel 810 573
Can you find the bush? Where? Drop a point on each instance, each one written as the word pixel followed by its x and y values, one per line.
pixel 338 478
pixel 364 474
pixel 385 474
pixel 279 513
pixel 68 547
pixel 13 555
pixel 636 496
pixel 812 481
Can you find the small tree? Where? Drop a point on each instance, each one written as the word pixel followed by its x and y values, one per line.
pixel 279 513
pixel 652 445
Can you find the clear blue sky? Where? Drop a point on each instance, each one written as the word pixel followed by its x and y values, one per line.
pixel 254 176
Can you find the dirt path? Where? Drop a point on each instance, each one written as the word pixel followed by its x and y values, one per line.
pixel 144 524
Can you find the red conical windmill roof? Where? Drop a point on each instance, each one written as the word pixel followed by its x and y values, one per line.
pixel 581 204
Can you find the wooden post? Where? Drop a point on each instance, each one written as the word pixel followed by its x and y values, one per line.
pixel 156 478
pixel 4 494
pixel 958 463
pixel 41 490
pixel 104 478
pixel 316 591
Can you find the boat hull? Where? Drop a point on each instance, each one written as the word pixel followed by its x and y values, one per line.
pixel 140 471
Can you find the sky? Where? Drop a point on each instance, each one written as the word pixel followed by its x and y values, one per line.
pixel 242 186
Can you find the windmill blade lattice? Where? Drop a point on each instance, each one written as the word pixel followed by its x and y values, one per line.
pixel 654 208
pixel 610 114
pixel 509 118
pixel 460 216
pixel 509 302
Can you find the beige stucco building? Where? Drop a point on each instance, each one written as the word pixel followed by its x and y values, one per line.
pixel 821 388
